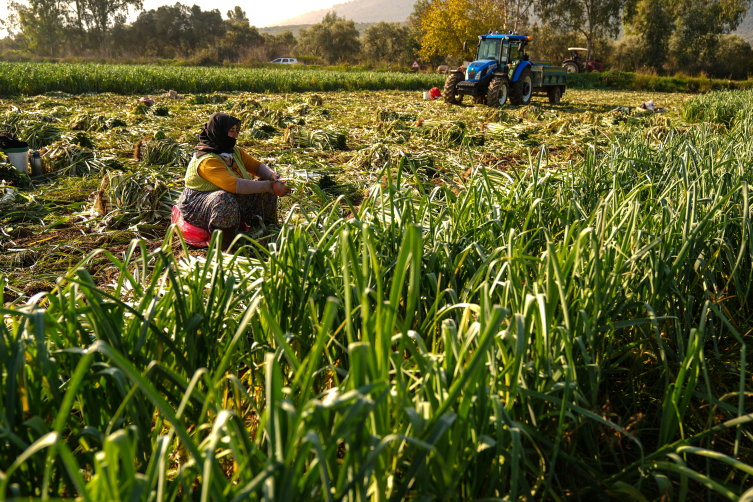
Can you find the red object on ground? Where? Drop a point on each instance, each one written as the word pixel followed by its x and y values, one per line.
pixel 193 235
pixel 435 93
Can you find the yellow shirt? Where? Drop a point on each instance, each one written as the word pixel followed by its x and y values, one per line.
pixel 215 171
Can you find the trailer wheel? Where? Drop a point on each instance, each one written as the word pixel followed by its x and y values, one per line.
pixel 522 90
pixel 497 93
pixel 450 88
pixel 555 94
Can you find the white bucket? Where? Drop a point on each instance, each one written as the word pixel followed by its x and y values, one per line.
pixel 427 95
pixel 20 159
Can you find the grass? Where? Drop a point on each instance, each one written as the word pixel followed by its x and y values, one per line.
pixel 618 80
pixel 725 108
pixel 40 78
pixel 569 322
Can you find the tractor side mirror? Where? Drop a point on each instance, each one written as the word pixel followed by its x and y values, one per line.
pixel 465 46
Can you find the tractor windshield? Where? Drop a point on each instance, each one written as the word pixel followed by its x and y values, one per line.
pixel 489 49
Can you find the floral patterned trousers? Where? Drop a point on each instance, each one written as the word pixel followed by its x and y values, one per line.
pixel 221 209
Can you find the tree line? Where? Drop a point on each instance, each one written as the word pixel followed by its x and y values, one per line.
pixel 654 35
pixel 97 29
pixel 667 36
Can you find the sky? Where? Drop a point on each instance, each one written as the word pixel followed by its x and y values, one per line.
pixel 260 12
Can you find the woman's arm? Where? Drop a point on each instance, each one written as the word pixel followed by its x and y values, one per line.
pixel 257 168
pixel 250 163
pixel 265 173
pixel 244 186
pixel 215 171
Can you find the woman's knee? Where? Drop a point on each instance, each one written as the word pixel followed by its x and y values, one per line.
pixel 225 211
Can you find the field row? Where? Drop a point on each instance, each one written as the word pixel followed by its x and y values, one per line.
pixel 40 78
pixel 548 302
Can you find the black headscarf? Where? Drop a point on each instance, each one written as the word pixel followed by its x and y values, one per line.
pixel 214 138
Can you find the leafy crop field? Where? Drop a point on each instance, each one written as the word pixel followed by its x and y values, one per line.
pixel 39 78
pixel 546 302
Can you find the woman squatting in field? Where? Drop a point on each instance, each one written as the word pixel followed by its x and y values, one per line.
pixel 220 191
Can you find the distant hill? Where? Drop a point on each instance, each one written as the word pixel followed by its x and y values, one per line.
pixel 360 11
pixel 745 29
pixel 295 28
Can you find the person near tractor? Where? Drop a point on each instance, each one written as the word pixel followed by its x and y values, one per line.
pixel 220 192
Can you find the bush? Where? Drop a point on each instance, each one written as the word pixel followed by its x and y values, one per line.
pixel 205 57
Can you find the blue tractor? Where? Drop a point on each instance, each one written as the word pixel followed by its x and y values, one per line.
pixel 503 70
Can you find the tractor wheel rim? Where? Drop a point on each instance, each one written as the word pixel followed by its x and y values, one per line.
pixel 527 88
pixel 502 95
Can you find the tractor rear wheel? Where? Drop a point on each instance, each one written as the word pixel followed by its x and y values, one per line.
pixel 572 67
pixel 555 94
pixel 497 93
pixel 450 89
pixel 522 90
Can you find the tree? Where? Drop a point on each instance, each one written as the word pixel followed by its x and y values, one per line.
pixel 239 34
pixel 591 18
pixel 104 13
pixel 164 32
pixel 206 28
pixel 685 33
pixel 280 45
pixel 651 22
pixel 41 22
pixel 733 57
pixel 334 39
pixel 444 25
pixel 172 31
pixel 239 31
pixel 385 41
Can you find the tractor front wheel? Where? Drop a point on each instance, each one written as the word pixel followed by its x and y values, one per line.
pixel 522 91
pixel 450 89
pixel 497 93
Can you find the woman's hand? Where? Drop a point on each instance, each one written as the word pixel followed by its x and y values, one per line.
pixel 280 189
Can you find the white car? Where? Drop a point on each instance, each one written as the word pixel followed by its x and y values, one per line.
pixel 285 61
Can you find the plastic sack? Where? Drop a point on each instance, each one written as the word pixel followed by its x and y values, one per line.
pixel 435 93
pixel 193 235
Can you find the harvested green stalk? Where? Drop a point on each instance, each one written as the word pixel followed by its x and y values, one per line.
pixel 322 139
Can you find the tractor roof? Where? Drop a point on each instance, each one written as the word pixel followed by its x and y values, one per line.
pixel 505 36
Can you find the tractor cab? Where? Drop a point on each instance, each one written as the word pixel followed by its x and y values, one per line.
pixel 496 53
